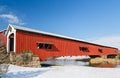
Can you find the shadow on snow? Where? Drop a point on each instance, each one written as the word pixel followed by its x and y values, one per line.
pixel 23 74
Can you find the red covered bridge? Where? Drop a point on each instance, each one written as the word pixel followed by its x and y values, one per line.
pixel 3 37
pixel 45 45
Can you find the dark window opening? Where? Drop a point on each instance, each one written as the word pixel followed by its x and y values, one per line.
pixel 94 56
pixel 44 46
pixel 84 49
pixel 40 45
pixel 100 50
pixel 48 46
pixel 111 56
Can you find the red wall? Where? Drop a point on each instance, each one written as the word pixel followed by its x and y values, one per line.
pixel 3 37
pixel 61 47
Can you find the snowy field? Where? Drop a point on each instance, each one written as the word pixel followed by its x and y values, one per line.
pixel 68 71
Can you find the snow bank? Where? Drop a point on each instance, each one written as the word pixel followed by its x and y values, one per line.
pixel 81 72
pixel 62 72
pixel 23 72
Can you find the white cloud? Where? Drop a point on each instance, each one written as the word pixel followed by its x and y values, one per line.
pixel 113 41
pixel 7 15
pixel 10 18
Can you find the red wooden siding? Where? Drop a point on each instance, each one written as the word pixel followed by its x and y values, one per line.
pixel 3 37
pixel 61 47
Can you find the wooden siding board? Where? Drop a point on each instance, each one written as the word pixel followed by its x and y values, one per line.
pixel 3 37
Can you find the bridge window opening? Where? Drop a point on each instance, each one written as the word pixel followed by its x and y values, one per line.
pixel 94 56
pixel 44 45
pixel 48 46
pixel 100 50
pixel 111 56
pixel 40 45
pixel 84 49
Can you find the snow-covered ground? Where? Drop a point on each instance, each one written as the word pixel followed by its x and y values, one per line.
pixel 69 71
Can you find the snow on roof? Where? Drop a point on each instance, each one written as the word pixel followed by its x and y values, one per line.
pixel 42 32
pixel 51 34
pixel 2 30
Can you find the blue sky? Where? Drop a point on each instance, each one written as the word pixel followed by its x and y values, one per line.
pixel 83 19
